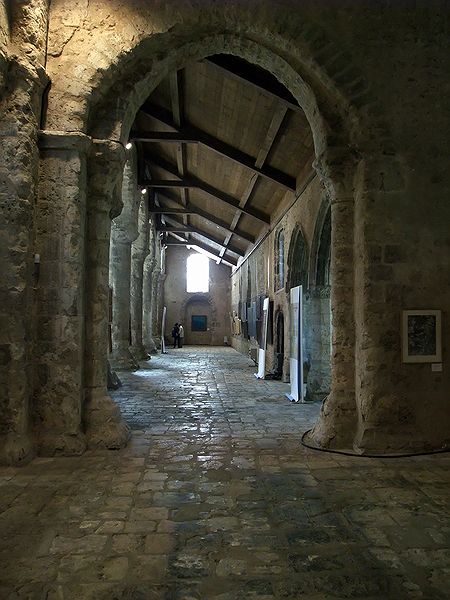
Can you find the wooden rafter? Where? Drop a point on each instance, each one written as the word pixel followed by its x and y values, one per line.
pixel 207 189
pixel 233 71
pixel 176 101
pixel 176 240
pixel 189 134
pixel 195 210
pixel 263 153
pixel 234 249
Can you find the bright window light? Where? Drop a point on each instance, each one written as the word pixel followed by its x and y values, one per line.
pixel 197 273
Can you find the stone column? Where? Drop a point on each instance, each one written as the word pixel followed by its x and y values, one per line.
pixel 147 294
pixel 336 425
pixel 103 421
pixel 20 109
pixel 139 251
pixel 124 231
pixel 156 325
pixel 60 242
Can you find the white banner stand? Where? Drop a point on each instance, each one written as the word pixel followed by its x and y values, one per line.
pixel 262 351
pixel 163 331
pixel 296 359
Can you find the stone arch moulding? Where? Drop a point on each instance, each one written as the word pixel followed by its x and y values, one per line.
pixel 296 271
pixel 336 130
pixel 200 297
pixel 322 216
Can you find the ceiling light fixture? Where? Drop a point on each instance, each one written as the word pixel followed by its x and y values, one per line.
pixel 129 146
pixel 144 191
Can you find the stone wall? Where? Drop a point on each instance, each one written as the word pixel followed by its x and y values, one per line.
pixel 4 40
pixel 256 276
pixel 182 304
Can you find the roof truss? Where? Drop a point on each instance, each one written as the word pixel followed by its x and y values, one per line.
pixel 189 135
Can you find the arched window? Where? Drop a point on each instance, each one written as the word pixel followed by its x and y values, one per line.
pixel 197 273
pixel 279 260
pixel 324 252
pixel 297 261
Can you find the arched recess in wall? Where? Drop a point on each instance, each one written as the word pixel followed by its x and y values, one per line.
pixel 199 305
pixel 298 261
pixel 320 260
pixel 323 275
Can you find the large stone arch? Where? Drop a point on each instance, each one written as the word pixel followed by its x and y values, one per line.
pixel 98 87
pixel 128 62
pixel 106 107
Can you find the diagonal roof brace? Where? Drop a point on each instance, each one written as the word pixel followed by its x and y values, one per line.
pixel 190 134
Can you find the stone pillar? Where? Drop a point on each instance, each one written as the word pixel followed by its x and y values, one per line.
pixel 147 294
pixel 156 321
pixel 124 231
pixel 103 421
pixel 60 243
pixel 336 425
pixel 139 251
pixel 389 420
pixel 20 106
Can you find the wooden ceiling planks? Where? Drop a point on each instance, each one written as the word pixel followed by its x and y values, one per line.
pixel 254 142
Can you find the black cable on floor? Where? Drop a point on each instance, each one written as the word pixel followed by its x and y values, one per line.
pixel 348 453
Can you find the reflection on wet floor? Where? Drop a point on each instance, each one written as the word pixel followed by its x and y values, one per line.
pixel 216 499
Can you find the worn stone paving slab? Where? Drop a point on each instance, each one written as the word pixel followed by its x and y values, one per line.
pixel 216 499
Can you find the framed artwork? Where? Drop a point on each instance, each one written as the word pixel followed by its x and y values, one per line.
pixel 199 323
pixel 421 336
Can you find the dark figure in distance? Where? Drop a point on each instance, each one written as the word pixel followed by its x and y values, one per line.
pixel 176 335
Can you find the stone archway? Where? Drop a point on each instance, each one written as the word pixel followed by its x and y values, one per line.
pixel 110 121
pixel 345 157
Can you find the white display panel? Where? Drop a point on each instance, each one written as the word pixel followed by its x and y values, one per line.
pixel 296 350
pixel 163 331
pixel 262 351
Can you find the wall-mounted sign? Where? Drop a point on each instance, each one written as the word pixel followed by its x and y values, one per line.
pixel 421 336
pixel 199 323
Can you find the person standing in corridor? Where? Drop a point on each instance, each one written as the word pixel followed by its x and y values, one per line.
pixel 176 335
pixel 181 335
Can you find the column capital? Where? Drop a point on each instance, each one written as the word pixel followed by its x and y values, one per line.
pixel 107 159
pixel 336 168
pixel 105 168
pixel 64 141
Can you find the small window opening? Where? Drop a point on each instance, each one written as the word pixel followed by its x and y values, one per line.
pixel 197 273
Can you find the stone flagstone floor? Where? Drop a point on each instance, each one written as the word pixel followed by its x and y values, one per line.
pixel 216 499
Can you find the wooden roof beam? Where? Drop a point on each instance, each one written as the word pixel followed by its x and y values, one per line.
pixel 208 189
pixel 194 210
pixel 191 134
pixel 272 132
pixel 180 229
pixel 231 71
pixel 231 262
pixel 234 249
pixel 176 101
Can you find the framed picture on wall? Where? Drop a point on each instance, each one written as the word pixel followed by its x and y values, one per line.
pixel 421 336
pixel 199 323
